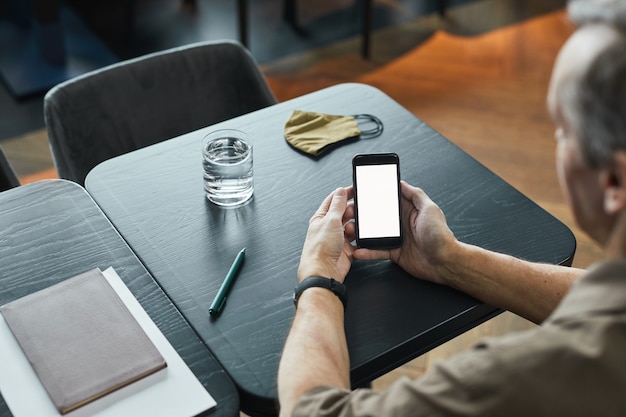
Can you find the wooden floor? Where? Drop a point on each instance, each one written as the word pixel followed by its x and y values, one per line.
pixel 485 91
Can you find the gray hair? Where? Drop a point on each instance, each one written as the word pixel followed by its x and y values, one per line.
pixel 611 12
pixel 596 104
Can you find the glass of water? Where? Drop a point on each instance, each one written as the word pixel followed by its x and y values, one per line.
pixel 227 163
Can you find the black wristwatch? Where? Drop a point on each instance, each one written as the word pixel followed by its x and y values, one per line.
pixel 321 282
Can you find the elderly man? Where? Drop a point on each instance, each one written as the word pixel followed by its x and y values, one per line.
pixel 574 364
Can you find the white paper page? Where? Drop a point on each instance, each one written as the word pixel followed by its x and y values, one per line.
pixel 173 391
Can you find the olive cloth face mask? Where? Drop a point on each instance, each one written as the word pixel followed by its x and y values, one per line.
pixel 313 133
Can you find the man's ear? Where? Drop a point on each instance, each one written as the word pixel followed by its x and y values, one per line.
pixel 614 184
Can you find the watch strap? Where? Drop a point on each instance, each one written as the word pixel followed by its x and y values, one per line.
pixel 330 284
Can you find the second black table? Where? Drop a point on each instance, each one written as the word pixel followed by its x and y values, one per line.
pixel 51 231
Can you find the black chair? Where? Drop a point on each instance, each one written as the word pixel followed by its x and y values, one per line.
pixel 8 178
pixel 142 101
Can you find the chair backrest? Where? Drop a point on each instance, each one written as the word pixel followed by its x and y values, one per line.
pixel 8 178
pixel 145 100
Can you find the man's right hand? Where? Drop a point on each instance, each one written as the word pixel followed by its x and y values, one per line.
pixel 429 243
pixel 431 251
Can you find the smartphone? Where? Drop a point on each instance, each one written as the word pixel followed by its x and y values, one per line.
pixel 378 212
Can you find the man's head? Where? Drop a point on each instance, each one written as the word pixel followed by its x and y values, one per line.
pixel 587 99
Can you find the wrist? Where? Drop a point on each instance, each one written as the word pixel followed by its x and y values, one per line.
pixel 316 269
pixel 317 300
pixel 453 265
pixel 327 285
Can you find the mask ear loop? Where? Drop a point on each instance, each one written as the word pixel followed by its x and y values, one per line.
pixel 374 131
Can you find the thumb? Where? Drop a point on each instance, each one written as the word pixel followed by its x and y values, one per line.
pixel 413 194
pixel 339 201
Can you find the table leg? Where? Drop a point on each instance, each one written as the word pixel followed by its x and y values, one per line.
pixel 366 29
pixel 441 7
pixel 242 12
pixel 50 32
pixel 289 12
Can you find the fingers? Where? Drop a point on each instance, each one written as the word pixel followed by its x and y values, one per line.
pixel 415 195
pixel 349 213
pixel 323 208
pixel 335 202
pixel 339 201
pixel 371 255
pixel 411 193
pixel 349 231
pixel 340 205
pixel 349 192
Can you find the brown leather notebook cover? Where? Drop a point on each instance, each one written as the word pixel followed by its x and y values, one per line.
pixel 81 340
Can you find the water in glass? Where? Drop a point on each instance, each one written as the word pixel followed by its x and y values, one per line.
pixel 227 162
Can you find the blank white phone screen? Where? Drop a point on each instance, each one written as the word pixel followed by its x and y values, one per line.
pixel 377 188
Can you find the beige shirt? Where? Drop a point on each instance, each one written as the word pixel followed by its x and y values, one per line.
pixel 573 365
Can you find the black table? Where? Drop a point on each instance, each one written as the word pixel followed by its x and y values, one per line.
pixel 154 197
pixel 53 230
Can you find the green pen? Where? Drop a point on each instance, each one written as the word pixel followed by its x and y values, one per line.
pixel 220 299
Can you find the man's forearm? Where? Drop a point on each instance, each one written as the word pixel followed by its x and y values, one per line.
pixel 531 290
pixel 315 353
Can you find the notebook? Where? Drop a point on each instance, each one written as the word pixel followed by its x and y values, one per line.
pixel 81 340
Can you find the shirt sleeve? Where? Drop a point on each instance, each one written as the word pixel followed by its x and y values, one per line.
pixel 531 373
pixel 448 389
pixel 573 365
